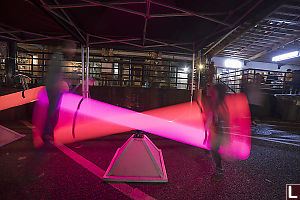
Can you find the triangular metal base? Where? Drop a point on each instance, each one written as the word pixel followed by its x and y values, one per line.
pixel 7 136
pixel 138 160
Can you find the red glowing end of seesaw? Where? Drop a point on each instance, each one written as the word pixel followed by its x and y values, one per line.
pixel 19 98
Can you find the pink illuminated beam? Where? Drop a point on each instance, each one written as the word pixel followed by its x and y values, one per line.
pixel 182 123
pixel 134 120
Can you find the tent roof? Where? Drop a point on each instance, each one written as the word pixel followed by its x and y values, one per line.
pixel 170 25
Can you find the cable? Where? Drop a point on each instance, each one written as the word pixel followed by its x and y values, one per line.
pixel 75 116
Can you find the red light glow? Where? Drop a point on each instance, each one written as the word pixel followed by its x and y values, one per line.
pixel 17 98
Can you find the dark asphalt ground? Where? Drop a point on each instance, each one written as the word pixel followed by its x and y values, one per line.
pixel 190 170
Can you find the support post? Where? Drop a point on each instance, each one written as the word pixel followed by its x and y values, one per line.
pixel 176 75
pixel 199 72
pixel 43 73
pixel 192 84
pixel 83 80
pixel 87 71
pixel 11 61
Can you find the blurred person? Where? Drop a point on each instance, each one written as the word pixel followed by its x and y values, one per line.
pixel 288 81
pixel 200 99
pixel 43 131
pixel 244 83
pixel 217 122
pixel 256 98
pixel 55 87
pixel 295 82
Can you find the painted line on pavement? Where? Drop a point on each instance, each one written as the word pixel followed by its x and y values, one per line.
pixel 27 124
pixel 127 190
pixel 268 139
pixel 286 139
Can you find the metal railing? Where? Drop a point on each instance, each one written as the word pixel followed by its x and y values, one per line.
pixel 274 82
pixel 133 71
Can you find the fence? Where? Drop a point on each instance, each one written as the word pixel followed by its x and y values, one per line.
pixel 274 82
pixel 133 71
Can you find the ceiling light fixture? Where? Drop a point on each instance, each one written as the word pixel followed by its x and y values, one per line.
pixel 286 56
pixel 232 63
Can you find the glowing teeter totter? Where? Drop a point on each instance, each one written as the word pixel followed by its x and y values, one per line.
pixel 81 119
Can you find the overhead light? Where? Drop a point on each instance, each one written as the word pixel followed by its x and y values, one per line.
pixel 286 56
pixel 185 69
pixel 232 63
pixel 201 66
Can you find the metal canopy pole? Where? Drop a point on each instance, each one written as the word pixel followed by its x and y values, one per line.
pixel 146 21
pixel 199 72
pixel 87 71
pixel 192 86
pixel 157 41
pixel 109 5
pixel 63 6
pixel 113 40
pixel 82 62
pixel 191 13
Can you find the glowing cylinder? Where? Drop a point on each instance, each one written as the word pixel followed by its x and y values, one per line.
pixel 81 119
pixel 94 117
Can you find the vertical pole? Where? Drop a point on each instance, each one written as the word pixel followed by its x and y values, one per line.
pixel 199 72
pixel 87 71
pixel 82 61
pixel 254 76
pixel 242 82
pixel 192 84
pixel 169 75
pixel 31 69
pixel 119 75
pixel 11 61
pixel 43 68
pixel 235 81
pixel 284 84
pixel 143 76
pixel 176 75
pixel 130 73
